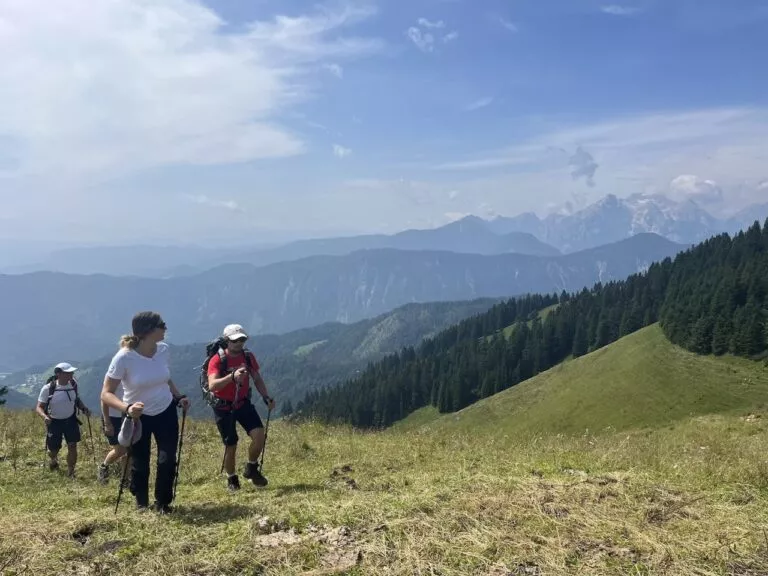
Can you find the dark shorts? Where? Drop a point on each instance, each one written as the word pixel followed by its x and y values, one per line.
pixel 117 422
pixel 68 429
pixel 246 415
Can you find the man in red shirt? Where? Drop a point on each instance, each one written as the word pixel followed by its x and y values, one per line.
pixel 233 385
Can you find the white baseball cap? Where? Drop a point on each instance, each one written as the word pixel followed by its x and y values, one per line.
pixel 234 332
pixel 66 367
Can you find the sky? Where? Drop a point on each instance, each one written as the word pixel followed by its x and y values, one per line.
pixel 177 121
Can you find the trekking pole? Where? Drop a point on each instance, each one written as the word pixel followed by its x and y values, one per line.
pixel 45 445
pixel 90 435
pixel 128 455
pixel 178 452
pixel 266 435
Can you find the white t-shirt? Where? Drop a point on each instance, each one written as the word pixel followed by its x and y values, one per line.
pixel 62 404
pixel 119 394
pixel 144 379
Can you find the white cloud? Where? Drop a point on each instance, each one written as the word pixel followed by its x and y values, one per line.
pixel 450 37
pixel 763 185
pixel 424 23
pixel 690 187
pixel 424 39
pixel 334 69
pixel 97 89
pixel 207 201
pixel 340 151
pixel 510 26
pixel 481 103
pixel 617 10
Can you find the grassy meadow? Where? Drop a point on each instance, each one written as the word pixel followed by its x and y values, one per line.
pixel 637 459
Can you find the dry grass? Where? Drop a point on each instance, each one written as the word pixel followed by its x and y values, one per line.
pixel 688 500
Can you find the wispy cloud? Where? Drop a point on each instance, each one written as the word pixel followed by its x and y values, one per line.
pixel 481 103
pixel 424 23
pixel 509 25
pixel 340 151
pixel 450 37
pixel 334 69
pixel 230 205
pixel 618 10
pixel 169 86
pixel 423 35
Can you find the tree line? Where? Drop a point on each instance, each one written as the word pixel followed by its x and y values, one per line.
pixel 710 299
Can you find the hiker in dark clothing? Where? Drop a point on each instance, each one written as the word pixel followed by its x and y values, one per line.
pixel 57 405
pixel 149 394
pixel 230 399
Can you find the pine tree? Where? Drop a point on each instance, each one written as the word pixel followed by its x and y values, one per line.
pixel 3 392
pixel 721 335
pixel 580 345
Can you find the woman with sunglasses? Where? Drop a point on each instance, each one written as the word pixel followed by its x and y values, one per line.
pixel 149 394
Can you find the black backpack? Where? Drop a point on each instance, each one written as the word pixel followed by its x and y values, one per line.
pixel 219 346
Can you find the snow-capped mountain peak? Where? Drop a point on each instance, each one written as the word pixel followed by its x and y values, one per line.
pixel 612 219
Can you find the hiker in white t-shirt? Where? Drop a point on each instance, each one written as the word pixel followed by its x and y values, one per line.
pixel 149 394
pixel 57 405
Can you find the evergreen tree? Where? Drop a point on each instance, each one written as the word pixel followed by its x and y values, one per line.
pixel 580 345
pixel 3 392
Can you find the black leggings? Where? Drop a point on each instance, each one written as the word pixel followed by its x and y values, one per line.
pixel 165 428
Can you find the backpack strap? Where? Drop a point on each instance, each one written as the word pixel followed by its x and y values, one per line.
pixel 51 390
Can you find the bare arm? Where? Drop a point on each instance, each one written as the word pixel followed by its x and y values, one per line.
pixel 109 398
pixel 105 412
pixel 215 383
pixel 259 383
pixel 40 410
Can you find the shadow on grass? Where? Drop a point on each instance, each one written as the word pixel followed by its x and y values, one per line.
pixel 298 488
pixel 201 514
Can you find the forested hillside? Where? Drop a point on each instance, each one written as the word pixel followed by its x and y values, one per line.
pixel 292 363
pixel 711 297
pixel 716 301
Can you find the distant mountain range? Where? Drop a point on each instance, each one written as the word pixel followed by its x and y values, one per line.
pixel 292 364
pixel 612 219
pixel 609 220
pixel 50 317
pixel 470 236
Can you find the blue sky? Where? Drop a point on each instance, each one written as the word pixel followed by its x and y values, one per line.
pixel 174 120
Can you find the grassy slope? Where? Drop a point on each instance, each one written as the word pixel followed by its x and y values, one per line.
pixel 431 498
pixel 642 380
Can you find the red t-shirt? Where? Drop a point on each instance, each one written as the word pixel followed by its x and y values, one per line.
pixel 233 363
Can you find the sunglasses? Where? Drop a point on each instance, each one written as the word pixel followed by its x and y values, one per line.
pixel 239 340
pixel 162 326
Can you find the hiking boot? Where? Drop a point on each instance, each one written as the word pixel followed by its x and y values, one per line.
pixel 163 509
pixel 253 473
pixel 103 473
pixel 53 465
pixel 71 473
pixel 233 483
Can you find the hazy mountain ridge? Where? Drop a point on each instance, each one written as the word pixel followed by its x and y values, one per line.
pixel 470 235
pixel 75 317
pixel 292 363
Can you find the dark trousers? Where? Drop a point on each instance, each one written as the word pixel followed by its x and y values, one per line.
pixel 165 428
